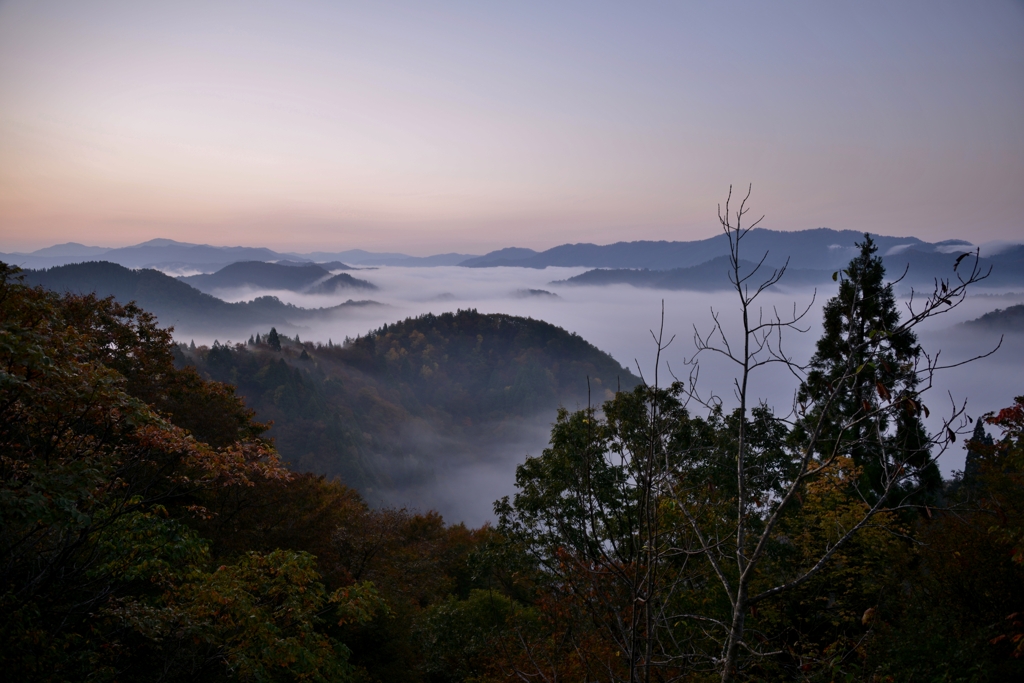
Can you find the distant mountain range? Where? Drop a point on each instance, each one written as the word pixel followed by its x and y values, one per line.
pixel 180 257
pixel 819 249
pixel 176 303
pixel 918 266
pixel 812 257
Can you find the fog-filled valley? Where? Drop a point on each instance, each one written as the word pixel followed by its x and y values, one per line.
pixel 462 342
pixel 455 448
pixel 460 472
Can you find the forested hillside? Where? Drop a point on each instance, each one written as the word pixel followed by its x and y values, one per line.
pixel 177 304
pixel 396 403
pixel 151 531
pixel 1009 319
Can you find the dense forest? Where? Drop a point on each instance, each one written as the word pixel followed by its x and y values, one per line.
pixel 373 410
pixel 151 530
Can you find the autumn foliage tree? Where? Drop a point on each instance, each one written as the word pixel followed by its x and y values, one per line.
pixel 107 455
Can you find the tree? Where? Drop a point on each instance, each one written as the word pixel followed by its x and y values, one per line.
pixel 862 330
pixel 977 447
pixel 273 340
pixel 102 479
pixel 591 511
pixel 815 452
pixel 671 533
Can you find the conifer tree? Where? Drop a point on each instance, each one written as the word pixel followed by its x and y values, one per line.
pixel 864 359
pixel 979 441
pixel 273 340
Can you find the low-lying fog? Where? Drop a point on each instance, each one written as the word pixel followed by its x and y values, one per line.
pixel 619 320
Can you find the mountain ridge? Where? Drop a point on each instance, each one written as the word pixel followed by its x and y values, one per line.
pixel 178 304
pixel 818 247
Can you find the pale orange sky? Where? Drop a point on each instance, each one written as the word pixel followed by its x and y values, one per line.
pixel 464 127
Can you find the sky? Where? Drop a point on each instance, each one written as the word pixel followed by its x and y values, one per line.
pixel 448 126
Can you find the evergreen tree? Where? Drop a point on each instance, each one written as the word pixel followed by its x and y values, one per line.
pixel 251 340
pixel 976 446
pixel 192 346
pixel 273 340
pixel 864 361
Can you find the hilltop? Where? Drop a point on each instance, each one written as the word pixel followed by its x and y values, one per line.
pixel 413 398
pixel 290 276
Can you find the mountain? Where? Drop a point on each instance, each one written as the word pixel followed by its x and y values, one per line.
pixel 163 253
pixel 1010 319
pixel 339 282
pixel 923 266
pixel 360 257
pixel 412 399
pixel 173 256
pixel 820 248
pixel 177 304
pixel 329 265
pixel 72 250
pixel 293 277
pixel 157 251
pixel 259 274
pixel 710 276
pixel 918 267
pixel 509 256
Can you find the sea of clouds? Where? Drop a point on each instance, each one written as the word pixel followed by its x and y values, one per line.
pixel 620 320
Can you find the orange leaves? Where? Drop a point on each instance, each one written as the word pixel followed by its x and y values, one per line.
pixel 1015 637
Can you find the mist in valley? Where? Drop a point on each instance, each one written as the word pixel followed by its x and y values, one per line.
pixel 463 482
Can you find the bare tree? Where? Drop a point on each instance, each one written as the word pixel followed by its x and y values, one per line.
pixel 621 518
pixel 760 344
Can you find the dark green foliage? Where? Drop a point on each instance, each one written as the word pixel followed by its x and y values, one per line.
pixel 863 358
pixel 953 610
pixel 471 378
pixel 146 532
pixel 273 341
pixel 1009 319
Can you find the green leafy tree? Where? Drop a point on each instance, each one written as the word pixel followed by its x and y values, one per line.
pixel 750 514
